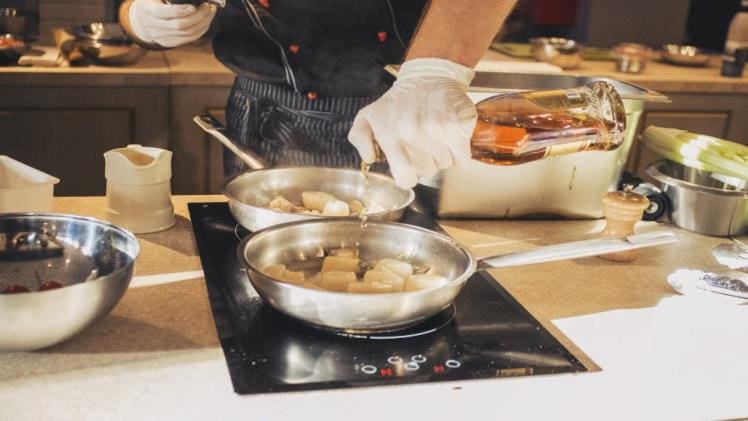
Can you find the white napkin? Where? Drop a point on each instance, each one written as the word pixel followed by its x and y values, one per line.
pixel 693 284
pixel 42 56
pixel 682 359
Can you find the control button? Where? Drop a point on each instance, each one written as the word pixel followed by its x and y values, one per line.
pixel 412 366
pixel 368 369
pixel 418 359
pixel 452 363
pixel 394 360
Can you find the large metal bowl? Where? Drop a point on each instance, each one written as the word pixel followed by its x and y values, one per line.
pixel 562 52
pixel 107 44
pixel 95 270
pixel 249 193
pixel 701 201
pixel 356 313
pixel 12 47
pixel 684 55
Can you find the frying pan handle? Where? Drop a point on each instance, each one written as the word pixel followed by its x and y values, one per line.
pixel 214 128
pixel 584 248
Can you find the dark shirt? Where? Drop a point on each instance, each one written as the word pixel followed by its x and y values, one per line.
pixel 333 47
pixel 708 21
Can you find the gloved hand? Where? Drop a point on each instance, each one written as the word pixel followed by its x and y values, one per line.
pixel 169 25
pixel 423 123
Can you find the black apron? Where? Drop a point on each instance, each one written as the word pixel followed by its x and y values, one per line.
pixel 289 129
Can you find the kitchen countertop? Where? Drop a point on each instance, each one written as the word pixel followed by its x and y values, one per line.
pixel 157 354
pixel 196 66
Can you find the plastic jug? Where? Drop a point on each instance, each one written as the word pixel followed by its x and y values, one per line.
pixel 138 188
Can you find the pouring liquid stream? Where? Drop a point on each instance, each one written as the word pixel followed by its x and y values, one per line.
pixel 363 215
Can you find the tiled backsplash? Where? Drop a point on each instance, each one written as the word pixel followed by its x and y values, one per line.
pixel 69 13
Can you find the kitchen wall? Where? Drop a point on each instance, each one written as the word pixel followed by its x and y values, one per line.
pixel 650 22
pixel 69 13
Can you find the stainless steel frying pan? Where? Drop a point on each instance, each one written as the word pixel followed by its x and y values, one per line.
pixel 368 313
pixel 249 193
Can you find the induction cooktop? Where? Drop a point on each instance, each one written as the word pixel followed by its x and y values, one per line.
pixel 485 334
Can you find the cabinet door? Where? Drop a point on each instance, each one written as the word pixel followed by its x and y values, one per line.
pixel 67 144
pixel 198 164
pixel 709 123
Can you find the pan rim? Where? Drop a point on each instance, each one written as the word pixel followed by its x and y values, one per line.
pixel 471 268
pixel 232 198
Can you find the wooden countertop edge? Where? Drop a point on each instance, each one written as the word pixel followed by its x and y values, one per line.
pixel 196 66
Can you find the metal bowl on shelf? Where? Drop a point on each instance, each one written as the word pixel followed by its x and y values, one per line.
pixel 59 274
pixel 562 52
pixel 12 47
pixel 702 201
pixel 684 55
pixel 107 44
pixel 631 57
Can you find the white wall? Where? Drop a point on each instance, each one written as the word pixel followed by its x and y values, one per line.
pixel 650 22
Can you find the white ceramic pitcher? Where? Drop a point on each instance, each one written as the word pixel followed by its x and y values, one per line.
pixel 138 188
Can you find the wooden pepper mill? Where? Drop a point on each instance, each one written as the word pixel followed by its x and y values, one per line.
pixel 622 210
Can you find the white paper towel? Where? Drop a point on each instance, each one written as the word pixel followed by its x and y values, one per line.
pixel 683 359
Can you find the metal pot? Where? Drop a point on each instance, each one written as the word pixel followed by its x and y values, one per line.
pixel 103 43
pixel 12 48
pixel 250 192
pixel 562 52
pixel 704 202
pixel 367 313
pixel 93 269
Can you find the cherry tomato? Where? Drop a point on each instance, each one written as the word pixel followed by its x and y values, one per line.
pixel 49 285
pixel 14 289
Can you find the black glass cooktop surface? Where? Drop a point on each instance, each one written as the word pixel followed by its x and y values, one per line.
pixel 485 334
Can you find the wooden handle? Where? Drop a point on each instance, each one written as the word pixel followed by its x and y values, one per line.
pixel 622 209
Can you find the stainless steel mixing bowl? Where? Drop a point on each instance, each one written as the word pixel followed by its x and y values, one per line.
pixel 249 193
pixel 94 270
pixel 684 55
pixel 701 201
pixel 562 52
pixel 107 44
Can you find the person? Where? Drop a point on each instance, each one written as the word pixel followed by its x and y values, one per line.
pixel 311 88
pixel 707 23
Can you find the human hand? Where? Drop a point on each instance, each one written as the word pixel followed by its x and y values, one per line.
pixel 422 124
pixel 169 25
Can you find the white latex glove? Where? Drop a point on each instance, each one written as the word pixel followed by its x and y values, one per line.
pixel 423 123
pixel 169 25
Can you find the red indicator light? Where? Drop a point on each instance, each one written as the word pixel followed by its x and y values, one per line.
pixel 385 372
pixel 439 368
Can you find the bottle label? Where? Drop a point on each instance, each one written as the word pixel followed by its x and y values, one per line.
pixel 557 99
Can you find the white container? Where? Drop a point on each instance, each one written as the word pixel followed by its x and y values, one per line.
pixel 23 188
pixel 138 188
pixel 568 186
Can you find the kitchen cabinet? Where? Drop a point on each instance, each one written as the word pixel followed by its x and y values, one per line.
pixel 65 130
pixel 198 163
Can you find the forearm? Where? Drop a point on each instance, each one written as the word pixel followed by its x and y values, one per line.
pixel 460 31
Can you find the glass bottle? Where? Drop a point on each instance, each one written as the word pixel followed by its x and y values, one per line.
pixel 519 127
